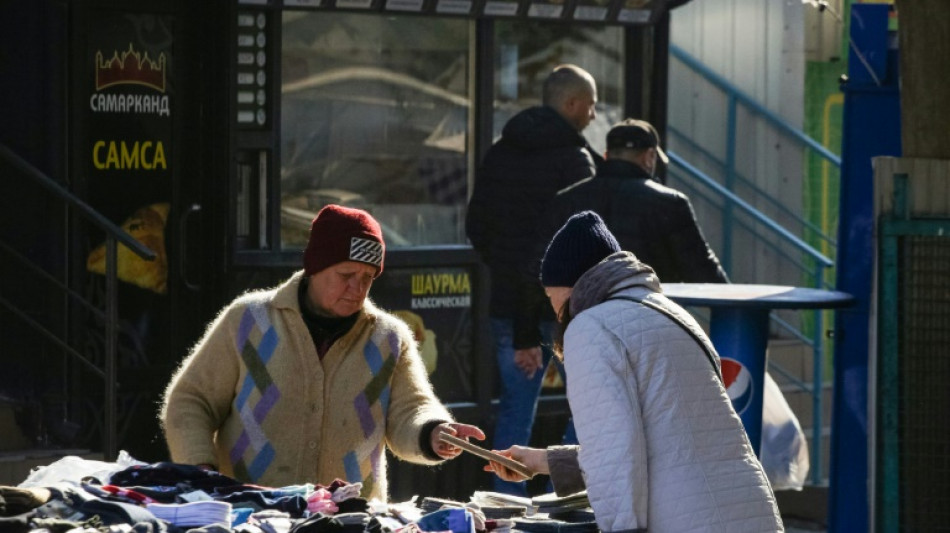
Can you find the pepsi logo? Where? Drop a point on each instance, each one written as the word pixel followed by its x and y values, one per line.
pixel 738 383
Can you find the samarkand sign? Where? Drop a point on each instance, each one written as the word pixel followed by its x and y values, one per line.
pixel 129 115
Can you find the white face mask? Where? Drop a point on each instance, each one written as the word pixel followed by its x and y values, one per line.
pixel 647 161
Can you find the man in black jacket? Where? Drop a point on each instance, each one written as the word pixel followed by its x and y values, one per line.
pixel 541 150
pixel 655 222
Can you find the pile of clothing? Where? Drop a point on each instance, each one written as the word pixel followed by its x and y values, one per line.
pixel 75 495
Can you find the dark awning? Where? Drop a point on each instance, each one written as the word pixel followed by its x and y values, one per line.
pixel 633 12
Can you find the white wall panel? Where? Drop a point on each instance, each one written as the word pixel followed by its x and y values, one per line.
pixel 758 45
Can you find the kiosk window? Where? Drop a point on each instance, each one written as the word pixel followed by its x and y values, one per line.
pixel 374 114
pixel 526 51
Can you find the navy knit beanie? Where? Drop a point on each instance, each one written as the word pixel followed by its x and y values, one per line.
pixel 582 242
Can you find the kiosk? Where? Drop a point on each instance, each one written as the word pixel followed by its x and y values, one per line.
pixel 235 121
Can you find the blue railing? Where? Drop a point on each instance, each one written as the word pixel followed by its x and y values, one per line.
pixel 697 192
pixel 735 97
pixel 746 184
pixel 731 177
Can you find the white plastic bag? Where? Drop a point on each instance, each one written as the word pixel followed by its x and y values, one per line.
pixel 784 450
pixel 72 469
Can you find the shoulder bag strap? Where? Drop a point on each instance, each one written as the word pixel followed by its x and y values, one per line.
pixel 679 322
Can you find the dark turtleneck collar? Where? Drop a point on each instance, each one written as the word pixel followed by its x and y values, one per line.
pixel 324 330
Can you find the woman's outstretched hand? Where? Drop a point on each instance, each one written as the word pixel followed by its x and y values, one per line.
pixel 535 459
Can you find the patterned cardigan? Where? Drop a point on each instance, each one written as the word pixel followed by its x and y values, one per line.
pixel 254 398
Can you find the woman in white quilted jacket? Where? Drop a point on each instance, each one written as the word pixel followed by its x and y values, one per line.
pixel 661 448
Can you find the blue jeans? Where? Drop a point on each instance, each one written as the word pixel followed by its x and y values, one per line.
pixel 519 396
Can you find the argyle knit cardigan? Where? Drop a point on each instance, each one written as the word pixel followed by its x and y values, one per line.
pixel 254 398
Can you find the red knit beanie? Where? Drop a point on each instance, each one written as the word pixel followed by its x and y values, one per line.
pixel 340 234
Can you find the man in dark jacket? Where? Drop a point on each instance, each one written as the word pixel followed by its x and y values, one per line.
pixel 655 222
pixel 541 151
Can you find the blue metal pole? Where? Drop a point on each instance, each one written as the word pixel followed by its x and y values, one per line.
pixel 818 381
pixel 730 184
pixel 871 127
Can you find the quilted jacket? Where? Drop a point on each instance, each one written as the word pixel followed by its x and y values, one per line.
pixel 661 446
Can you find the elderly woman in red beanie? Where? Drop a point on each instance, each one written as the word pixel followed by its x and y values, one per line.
pixel 661 448
pixel 309 381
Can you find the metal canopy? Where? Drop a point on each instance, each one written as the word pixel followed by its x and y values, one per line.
pixel 626 12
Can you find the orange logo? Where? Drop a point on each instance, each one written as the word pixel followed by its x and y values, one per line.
pixel 130 67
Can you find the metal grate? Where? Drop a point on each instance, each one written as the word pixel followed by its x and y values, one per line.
pixel 924 373
pixel 913 452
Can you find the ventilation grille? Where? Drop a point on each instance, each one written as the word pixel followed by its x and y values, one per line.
pixel 924 382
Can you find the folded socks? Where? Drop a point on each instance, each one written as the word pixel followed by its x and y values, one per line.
pixel 201 513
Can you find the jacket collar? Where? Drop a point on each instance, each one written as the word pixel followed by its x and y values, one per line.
pixel 618 272
pixel 541 127
pixel 623 169
pixel 285 297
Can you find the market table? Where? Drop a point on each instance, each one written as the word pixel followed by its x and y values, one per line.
pixel 739 329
